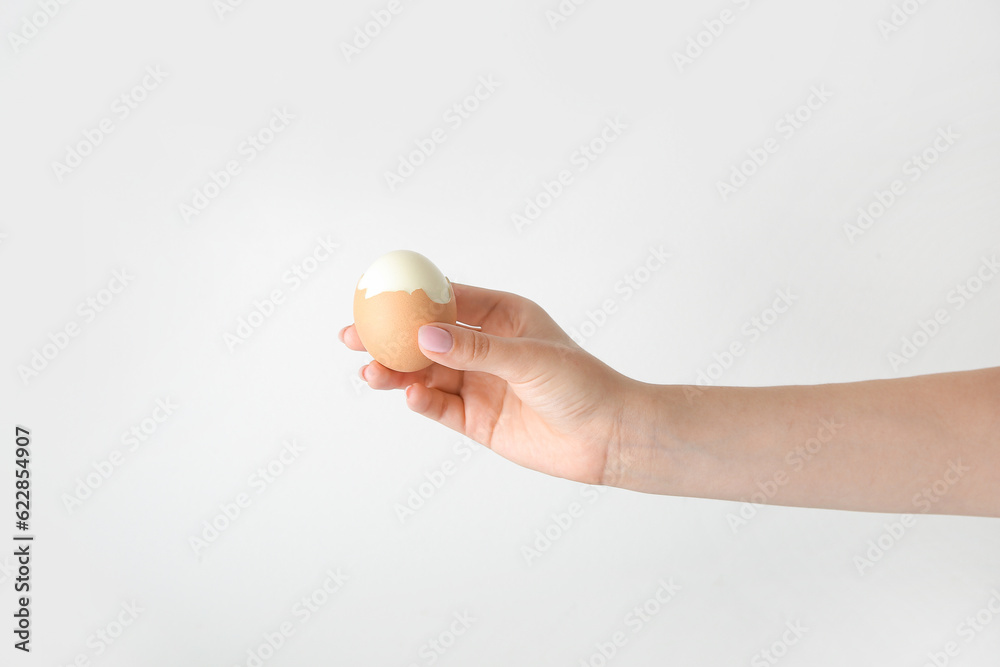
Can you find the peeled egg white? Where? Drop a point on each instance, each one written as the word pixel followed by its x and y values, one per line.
pixel 401 291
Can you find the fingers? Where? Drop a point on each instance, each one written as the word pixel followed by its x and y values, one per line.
pixel 438 377
pixel 442 407
pixel 517 360
pixel 349 337
pixel 379 377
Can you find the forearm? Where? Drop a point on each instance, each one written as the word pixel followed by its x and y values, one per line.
pixel 924 444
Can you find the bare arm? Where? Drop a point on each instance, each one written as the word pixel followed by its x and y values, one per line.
pixel 922 444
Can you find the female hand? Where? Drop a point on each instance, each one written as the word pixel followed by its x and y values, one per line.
pixel 519 385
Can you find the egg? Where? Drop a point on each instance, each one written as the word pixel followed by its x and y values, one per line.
pixel 400 292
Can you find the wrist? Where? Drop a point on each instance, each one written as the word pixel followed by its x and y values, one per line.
pixel 643 456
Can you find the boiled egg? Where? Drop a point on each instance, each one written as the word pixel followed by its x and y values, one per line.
pixel 400 292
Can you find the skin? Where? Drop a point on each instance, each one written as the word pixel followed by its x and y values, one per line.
pixel 515 382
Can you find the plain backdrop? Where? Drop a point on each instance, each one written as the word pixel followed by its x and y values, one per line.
pixel 497 565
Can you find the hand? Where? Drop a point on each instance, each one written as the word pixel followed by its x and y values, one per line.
pixel 518 385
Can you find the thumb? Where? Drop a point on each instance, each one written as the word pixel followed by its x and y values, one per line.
pixel 511 359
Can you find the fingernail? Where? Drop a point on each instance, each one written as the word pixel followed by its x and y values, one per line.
pixel 340 334
pixel 434 339
pixel 362 371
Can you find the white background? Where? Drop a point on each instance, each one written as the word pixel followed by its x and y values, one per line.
pixel 464 551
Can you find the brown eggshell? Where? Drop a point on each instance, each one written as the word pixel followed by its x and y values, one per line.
pixel 387 325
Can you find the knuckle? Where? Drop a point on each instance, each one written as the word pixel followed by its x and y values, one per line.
pixel 480 348
pixel 436 408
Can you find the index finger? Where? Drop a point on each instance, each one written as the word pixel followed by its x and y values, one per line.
pixel 476 305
